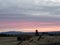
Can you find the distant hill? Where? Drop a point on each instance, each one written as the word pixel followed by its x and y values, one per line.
pixel 54 32
pixel 11 32
pixel 16 32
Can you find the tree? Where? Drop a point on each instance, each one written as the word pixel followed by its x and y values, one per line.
pixel 36 33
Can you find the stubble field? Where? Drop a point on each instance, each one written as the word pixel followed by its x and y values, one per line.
pixel 45 40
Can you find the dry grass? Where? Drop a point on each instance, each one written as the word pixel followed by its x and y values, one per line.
pixel 44 40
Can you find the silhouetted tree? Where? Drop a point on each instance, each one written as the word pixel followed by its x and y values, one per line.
pixel 36 33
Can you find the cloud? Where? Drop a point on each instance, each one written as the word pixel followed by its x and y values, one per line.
pixel 36 6
pixel 23 17
pixel 26 24
pixel 30 10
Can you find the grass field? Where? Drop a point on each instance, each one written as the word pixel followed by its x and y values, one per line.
pixel 45 40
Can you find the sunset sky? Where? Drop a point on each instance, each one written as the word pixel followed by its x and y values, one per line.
pixel 29 15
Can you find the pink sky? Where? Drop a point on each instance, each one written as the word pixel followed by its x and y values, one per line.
pixel 29 26
pixel 29 15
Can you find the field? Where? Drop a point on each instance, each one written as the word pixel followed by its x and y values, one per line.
pixel 45 40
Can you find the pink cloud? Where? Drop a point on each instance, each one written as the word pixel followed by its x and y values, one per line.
pixel 30 25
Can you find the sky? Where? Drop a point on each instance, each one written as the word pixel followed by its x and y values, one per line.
pixel 29 15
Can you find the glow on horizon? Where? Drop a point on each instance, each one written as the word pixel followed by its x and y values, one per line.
pixel 29 26
pixel 32 30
